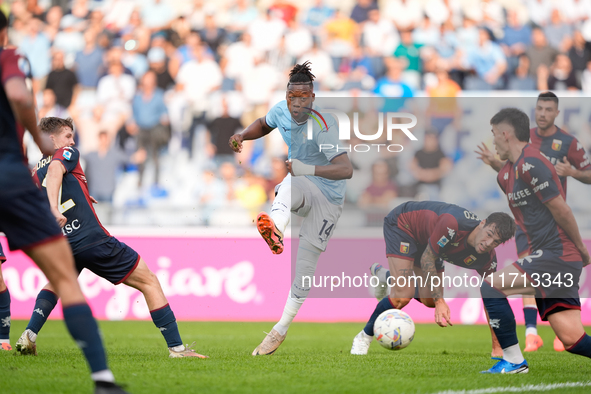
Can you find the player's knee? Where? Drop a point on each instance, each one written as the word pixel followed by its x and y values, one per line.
pixel 399 303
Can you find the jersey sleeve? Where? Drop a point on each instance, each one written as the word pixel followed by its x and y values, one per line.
pixel 272 117
pixel 503 177
pixel 541 178
pixel 9 65
pixel 490 267
pixel 444 232
pixel 577 156
pixel 68 156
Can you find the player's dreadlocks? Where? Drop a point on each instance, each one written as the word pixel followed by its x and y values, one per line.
pixel 301 74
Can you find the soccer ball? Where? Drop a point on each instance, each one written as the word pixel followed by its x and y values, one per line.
pixel 394 329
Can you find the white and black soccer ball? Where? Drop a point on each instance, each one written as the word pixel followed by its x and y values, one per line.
pixel 394 329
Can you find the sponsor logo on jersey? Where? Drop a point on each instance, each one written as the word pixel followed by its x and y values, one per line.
pixel 67 155
pixel 404 246
pixel 469 260
pixel 534 180
pixel 526 167
pixel 455 244
pixel 493 265
pixel 506 176
pixel 556 145
pixel 442 241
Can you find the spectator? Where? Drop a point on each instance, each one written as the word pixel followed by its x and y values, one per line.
pixel 323 66
pixel 36 46
pixel 558 32
pixel 539 11
pixel 136 31
pixel 50 107
pixel 360 12
pixel 211 194
pixel 242 14
pixel 53 18
pixel 197 79
pixel 576 11
pixel 284 10
pixel 251 193
pixel 298 40
pixel 410 51
pixel 115 92
pixel 278 173
pixel 426 33
pixel 220 130
pixel 132 59
pixel 429 167
pixel 157 62
pixel 89 62
pixel 258 87
pixel 579 53
pixel 381 191
pixel 540 53
pixel 317 16
pixel 560 76
pixel 69 40
pixel 443 109
pixel 266 31
pixel 185 52
pixel 102 166
pixel 488 63
pixel 516 39
pixel 151 117
pixel 406 14
pixel 212 35
pixel 586 79
pixel 522 80
pixel 157 15
pixel 391 85
pixel 342 36
pixel 380 38
pixel 239 58
pixel 62 81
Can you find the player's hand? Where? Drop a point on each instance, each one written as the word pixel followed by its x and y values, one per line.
pixel 45 144
pixel 61 219
pixel 563 168
pixel 93 200
pixel 485 154
pixel 586 259
pixel 297 168
pixel 442 314
pixel 236 142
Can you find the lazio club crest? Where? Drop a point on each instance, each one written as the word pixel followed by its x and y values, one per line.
pixel 556 145
pixel 404 247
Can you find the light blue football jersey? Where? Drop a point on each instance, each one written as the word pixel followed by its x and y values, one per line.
pixel 308 151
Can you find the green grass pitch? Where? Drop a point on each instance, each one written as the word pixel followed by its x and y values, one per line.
pixel 314 359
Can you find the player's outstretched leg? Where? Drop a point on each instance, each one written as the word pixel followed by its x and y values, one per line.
pixel 55 259
pixel 163 317
pixel 502 321
pixel 270 233
pixel 570 331
pixel 4 315
pixel 44 304
pixel 306 261
pixel 530 314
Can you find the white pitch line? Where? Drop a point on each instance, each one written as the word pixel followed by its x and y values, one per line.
pixel 521 389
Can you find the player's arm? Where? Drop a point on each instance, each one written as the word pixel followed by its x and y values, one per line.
pixel 53 184
pixel 442 312
pixel 23 105
pixel 256 130
pixel 339 168
pixel 489 158
pixel 564 217
pixel 564 168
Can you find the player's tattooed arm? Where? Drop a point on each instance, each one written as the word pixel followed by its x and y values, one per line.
pixel 442 312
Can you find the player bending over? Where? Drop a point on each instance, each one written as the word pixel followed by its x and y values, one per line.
pixel 570 159
pixel 551 272
pixel 94 248
pixel 419 237
pixel 26 220
pixel 314 188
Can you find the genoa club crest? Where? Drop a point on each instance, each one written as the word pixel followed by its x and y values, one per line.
pixel 469 260
pixel 556 145
pixel 404 247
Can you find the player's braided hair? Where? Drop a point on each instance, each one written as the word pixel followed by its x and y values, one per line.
pixel 53 125
pixel 504 225
pixel 301 74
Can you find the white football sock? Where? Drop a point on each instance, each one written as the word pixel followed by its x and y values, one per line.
pixel 531 330
pixel 513 354
pixel 307 259
pixel 178 348
pixel 103 376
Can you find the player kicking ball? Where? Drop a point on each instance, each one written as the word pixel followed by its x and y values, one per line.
pixel 93 247
pixel 314 188
pixel 419 237
pixel 551 272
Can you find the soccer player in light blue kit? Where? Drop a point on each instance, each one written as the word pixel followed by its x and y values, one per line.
pixel 314 188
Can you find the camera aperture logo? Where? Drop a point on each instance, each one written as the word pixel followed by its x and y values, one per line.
pixel 344 126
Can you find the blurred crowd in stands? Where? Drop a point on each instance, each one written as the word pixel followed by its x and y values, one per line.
pixel 157 87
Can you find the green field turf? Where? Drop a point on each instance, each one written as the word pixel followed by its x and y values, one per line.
pixel 314 359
